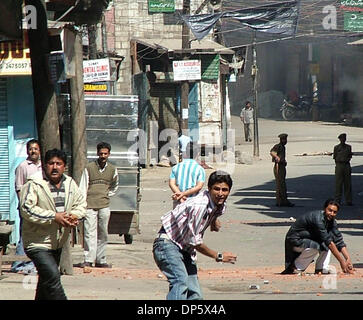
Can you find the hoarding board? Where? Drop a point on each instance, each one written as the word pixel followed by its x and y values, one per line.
pixel 15 58
pixel 96 88
pixel 351 5
pixel 96 70
pixel 161 5
pixel 187 70
pixel 353 21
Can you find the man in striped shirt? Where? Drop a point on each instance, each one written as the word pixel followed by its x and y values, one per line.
pixel 181 236
pixel 187 177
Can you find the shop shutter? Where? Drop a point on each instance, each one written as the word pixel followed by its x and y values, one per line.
pixel 4 153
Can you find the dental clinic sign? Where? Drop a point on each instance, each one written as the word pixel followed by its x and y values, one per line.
pixel 96 70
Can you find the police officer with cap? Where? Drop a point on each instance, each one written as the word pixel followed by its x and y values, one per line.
pixel 342 155
pixel 278 154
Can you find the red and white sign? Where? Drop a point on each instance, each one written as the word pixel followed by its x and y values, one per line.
pixel 15 58
pixel 187 70
pixel 96 70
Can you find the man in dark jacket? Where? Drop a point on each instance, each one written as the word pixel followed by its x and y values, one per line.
pixel 316 233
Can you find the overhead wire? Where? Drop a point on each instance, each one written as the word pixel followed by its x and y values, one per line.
pixel 308 13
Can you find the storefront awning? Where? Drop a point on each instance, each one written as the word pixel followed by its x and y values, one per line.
pixel 357 43
pixel 175 46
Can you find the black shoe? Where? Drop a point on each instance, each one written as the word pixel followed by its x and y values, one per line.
pixel 349 204
pixel 287 204
pixel 291 270
pixel 103 265
pixel 84 264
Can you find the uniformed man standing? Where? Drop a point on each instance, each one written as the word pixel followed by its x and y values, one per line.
pixel 278 154
pixel 342 155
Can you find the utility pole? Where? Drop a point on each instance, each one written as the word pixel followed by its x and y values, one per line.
pixel 184 94
pixel 78 145
pixel 78 113
pixel 92 46
pixel 43 90
pixel 254 74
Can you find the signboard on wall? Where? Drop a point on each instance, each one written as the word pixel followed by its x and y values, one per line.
pixel 351 5
pixel 96 88
pixel 187 70
pixel 211 101
pixel 161 5
pixel 96 70
pixel 353 21
pixel 15 58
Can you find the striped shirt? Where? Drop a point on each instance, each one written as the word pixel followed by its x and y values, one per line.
pixel 185 225
pixel 59 195
pixel 187 173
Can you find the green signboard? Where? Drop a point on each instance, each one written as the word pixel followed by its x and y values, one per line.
pixel 353 21
pixel 210 67
pixel 161 5
pixel 351 4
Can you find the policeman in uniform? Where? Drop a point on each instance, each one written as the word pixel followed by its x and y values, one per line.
pixel 342 155
pixel 278 154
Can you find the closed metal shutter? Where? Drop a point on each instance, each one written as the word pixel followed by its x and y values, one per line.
pixel 4 153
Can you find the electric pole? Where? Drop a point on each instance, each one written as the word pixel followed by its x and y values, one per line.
pixel 184 94
pixel 78 113
pixel 254 74
pixel 92 46
pixel 43 90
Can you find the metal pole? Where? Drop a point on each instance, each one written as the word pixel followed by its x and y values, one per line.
pixel 254 74
pixel 184 94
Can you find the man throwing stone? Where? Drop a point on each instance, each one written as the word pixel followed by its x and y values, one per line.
pixel 181 236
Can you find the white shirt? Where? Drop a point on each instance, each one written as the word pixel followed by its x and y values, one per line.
pixel 247 115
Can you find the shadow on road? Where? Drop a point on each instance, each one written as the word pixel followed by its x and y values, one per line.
pixel 307 193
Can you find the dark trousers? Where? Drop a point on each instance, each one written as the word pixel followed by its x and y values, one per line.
pixel 49 286
pixel 280 176
pixel 343 173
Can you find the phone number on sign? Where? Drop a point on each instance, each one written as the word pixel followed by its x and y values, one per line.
pixel 16 65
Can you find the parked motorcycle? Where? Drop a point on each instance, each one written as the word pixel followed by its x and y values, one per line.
pixel 300 108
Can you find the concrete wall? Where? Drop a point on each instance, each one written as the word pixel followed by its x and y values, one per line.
pixel 132 19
